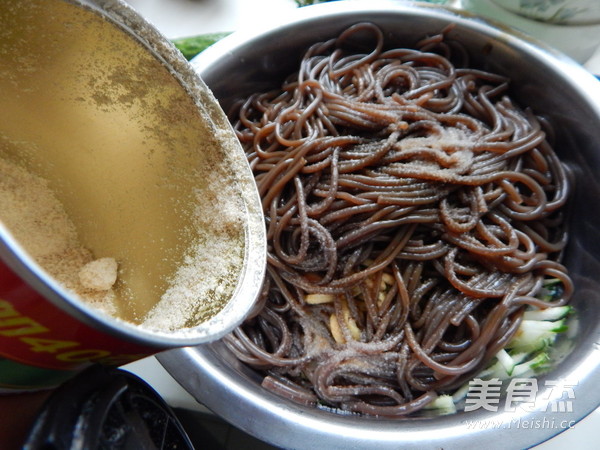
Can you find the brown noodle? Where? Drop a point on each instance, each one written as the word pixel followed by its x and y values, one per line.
pixel 418 201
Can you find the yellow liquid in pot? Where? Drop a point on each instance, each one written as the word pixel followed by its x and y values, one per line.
pixel 86 107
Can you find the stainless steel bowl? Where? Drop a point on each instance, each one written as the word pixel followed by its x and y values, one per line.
pixel 551 84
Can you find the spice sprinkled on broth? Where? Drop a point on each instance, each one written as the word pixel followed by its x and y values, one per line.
pixel 138 170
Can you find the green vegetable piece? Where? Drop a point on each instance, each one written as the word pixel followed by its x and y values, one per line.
pixel 193 45
pixel 552 289
pixel 310 2
pixel 506 361
pixel 534 335
pixel 553 313
pixel 541 362
pixel 443 403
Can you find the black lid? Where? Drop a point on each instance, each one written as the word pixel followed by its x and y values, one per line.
pixel 105 408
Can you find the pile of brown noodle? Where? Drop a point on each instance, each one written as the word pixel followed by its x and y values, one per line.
pixel 412 213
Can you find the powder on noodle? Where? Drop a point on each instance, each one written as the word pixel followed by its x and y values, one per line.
pixel 412 213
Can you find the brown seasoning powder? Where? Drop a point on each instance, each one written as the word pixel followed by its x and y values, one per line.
pixel 38 221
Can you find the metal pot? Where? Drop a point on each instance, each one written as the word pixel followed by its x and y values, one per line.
pixel 101 105
pixel 549 82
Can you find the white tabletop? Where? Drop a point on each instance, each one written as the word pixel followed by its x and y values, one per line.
pixel 182 18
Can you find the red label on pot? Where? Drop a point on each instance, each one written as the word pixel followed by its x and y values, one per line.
pixel 33 331
pixel 27 340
